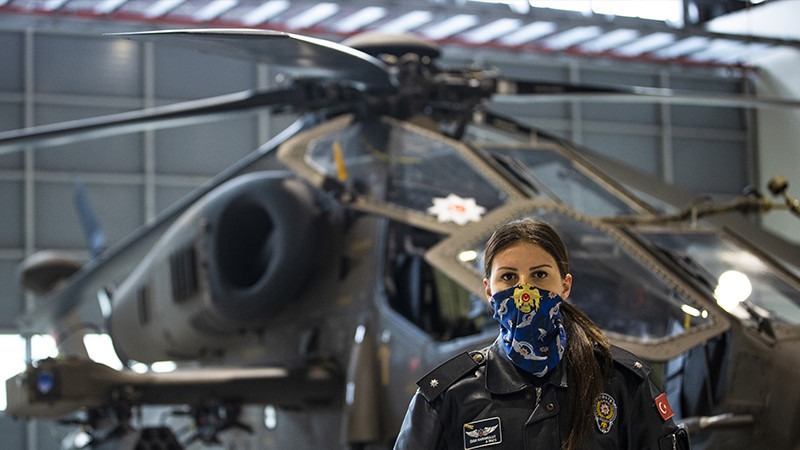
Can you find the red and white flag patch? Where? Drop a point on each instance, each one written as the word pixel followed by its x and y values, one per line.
pixel 662 405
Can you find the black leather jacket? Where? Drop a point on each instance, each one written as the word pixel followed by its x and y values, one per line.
pixel 482 400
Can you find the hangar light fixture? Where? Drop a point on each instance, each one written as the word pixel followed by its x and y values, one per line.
pixel 610 40
pixel 360 19
pixel 646 44
pixel 214 9
pixel 313 15
pixel 52 5
pixel 683 47
pixel 265 12
pixel 451 26
pixel 108 6
pixel 492 30
pixel 161 7
pixel 407 22
pixel 719 48
pixel 572 37
pixel 529 32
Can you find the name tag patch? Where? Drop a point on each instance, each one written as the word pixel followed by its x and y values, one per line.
pixel 482 433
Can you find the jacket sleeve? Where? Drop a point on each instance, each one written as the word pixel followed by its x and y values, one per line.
pixel 421 428
pixel 647 429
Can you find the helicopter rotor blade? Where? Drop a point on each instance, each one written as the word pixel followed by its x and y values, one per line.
pixel 516 91
pixel 306 56
pixel 147 119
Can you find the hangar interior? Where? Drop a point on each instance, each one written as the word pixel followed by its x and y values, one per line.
pixel 58 64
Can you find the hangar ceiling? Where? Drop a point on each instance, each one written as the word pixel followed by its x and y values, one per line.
pixel 512 25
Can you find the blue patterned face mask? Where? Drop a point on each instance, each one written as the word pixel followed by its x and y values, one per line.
pixel 532 334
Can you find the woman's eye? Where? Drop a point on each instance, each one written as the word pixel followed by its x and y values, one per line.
pixel 540 274
pixel 507 276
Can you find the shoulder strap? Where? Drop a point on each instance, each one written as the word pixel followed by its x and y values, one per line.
pixel 442 377
pixel 630 361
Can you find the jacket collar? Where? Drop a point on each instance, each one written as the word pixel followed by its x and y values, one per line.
pixel 504 377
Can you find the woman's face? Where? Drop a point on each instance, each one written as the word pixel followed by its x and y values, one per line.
pixel 524 262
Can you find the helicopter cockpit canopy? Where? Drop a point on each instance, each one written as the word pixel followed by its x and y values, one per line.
pixel 645 286
pixel 409 174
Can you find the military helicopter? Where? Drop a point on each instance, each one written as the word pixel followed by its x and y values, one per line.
pixel 314 297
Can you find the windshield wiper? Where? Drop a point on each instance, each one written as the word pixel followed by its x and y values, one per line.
pixel 687 263
pixel 519 171
pixel 696 271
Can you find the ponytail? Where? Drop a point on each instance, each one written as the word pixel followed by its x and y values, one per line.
pixel 588 357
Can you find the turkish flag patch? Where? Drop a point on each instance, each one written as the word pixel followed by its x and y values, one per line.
pixel 662 405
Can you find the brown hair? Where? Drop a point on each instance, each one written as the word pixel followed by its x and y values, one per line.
pixel 587 354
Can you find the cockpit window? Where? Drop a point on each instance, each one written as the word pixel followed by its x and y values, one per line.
pixel 384 161
pixel 741 282
pixel 617 285
pixel 555 177
pixel 423 294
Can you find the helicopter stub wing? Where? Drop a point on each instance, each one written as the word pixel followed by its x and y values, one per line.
pixel 305 56
pixel 55 388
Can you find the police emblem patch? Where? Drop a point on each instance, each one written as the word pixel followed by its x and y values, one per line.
pixel 605 412
pixel 482 433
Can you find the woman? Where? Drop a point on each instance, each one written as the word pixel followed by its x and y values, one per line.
pixel 550 380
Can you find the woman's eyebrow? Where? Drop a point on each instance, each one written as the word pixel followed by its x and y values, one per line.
pixel 540 266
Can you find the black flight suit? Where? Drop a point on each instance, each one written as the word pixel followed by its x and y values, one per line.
pixel 482 400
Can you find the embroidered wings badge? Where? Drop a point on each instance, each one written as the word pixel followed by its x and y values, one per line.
pixel 481 432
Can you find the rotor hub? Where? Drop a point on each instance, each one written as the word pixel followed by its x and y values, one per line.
pixel 376 43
